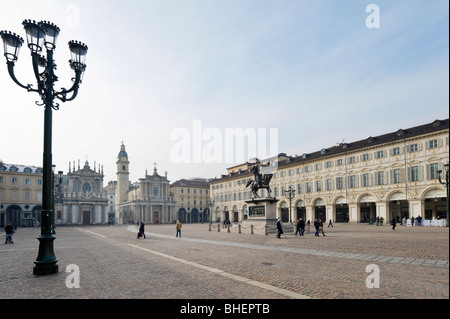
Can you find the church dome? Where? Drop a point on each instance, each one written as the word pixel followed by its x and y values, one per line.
pixel 122 152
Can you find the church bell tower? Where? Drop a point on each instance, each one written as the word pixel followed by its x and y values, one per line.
pixel 122 175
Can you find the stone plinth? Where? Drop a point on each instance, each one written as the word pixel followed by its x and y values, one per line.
pixel 262 214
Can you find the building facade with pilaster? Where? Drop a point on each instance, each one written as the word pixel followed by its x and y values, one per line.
pixel 394 175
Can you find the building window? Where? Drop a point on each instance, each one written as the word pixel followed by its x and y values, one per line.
pixel 329 184
pixel 299 189
pixel 433 144
pixel 414 174
pixel 318 186
pixel 380 154
pixel 433 171
pixel 380 178
pixel 339 183
pixel 352 160
pixel 365 180
pixel 318 166
pixel 328 164
pixel 365 157
pixel 308 187
pixel 352 181
pixel 396 151
pixel 339 162
pixel 396 176
pixel 413 148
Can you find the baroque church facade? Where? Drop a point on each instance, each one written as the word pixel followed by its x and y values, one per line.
pixel 149 200
pixel 80 200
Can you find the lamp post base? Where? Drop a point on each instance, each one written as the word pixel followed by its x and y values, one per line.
pixel 46 262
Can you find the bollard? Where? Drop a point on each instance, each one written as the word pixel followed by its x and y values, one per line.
pixel 266 232
pixel 251 229
pixel 218 228
pixel 209 226
pixel 239 228
pixel 228 228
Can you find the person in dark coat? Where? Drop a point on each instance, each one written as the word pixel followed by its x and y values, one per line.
pixel 321 227
pixel 9 230
pixel 279 229
pixel 142 230
pixel 298 228
pixel 302 227
pixel 393 223
pixel 316 226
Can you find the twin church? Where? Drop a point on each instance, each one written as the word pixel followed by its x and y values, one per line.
pixel 81 200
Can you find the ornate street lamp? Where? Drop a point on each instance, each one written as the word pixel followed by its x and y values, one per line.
pixel 210 203
pixel 446 185
pixel 42 35
pixel 289 194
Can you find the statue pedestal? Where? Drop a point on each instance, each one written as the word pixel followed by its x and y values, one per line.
pixel 262 216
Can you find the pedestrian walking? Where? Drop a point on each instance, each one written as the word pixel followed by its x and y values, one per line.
pixel 9 230
pixel 412 221
pixel 316 226
pixel 302 227
pixel 393 223
pixel 321 227
pixel 279 229
pixel 298 228
pixel 142 230
pixel 330 223
pixel 178 228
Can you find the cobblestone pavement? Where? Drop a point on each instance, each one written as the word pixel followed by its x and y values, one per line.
pixel 204 264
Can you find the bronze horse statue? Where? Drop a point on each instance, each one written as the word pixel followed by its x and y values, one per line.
pixel 261 181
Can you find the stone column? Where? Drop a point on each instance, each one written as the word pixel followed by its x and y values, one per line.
pixel 354 214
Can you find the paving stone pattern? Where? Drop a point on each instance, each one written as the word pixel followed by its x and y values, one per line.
pixel 113 263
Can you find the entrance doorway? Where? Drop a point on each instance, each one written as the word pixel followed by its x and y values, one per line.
pixel 86 217
pixel 367 212
pixel 13 215
pixel 284 212
pixel 320 213
pixel 342 215
pixel 155 217
pixel 301 213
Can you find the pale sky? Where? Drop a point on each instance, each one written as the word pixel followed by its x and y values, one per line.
pixel 313 70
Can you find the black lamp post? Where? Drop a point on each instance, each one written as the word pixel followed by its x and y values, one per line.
pixel 211 204
pixel 446 184
pixel 57 181
pixel 289 194
pixel 42 35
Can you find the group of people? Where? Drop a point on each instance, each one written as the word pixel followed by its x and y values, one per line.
pixel 379 221
pixel 318 225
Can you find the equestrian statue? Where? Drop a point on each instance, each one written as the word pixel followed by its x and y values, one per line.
pixel 261 181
